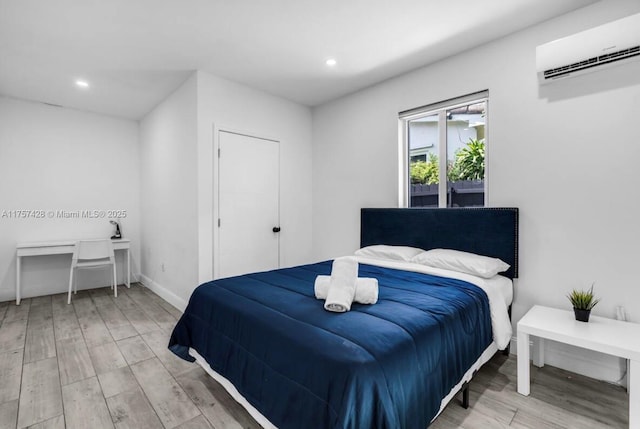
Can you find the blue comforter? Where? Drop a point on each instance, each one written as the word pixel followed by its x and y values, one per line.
pixel 386 365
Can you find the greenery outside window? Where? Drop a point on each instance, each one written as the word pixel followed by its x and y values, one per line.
pixel 454 131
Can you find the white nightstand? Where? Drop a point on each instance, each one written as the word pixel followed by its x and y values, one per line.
pixel 608 336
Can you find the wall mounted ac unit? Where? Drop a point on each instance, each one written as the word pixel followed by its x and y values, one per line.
pixel 595 49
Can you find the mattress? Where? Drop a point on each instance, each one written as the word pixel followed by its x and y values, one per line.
pixel 499 289
pixel 384 365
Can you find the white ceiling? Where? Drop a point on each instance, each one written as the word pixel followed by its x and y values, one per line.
pixel 135 52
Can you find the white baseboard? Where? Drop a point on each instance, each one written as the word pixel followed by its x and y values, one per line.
pixel 585 362
pixel 164 293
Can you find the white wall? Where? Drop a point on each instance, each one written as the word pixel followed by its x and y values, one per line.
pixel 178 193
pixel 558 152
pixel 227 105
pixel 59 159
pixel 168 195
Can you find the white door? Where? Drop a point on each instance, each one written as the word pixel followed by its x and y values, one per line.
pixel 248 202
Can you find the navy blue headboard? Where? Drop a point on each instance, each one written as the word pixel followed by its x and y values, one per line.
pixel 489 231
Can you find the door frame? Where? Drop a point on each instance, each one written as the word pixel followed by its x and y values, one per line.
pixel 216 186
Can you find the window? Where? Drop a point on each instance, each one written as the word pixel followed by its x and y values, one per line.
pixel 454 131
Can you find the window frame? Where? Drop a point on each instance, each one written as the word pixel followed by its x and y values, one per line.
pixel 440 109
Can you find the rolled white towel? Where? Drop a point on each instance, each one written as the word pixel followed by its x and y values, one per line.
pixel 342 286
pixel 366 289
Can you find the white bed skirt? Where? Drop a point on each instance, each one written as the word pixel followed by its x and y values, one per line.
pixel 265 423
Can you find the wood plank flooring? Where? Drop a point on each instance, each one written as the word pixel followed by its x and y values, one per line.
pixel 103 362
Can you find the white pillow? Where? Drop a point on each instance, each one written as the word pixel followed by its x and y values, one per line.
pixel 395 253
pixel 464 262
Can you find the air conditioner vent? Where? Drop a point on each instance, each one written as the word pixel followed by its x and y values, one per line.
pixel 592 62
pixel 598 48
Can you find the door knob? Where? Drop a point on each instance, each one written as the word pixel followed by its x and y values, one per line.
pixel 276 229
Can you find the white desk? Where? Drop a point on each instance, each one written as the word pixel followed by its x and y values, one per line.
pixel 603 335
pixel 44 248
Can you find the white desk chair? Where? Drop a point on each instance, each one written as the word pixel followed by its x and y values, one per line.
pixel 92 254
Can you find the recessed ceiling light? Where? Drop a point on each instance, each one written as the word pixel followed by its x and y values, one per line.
pixel 331 62
pixel 82 83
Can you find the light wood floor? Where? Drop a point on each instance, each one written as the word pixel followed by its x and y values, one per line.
pixel 103 362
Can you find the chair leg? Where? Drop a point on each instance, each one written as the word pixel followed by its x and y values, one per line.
pixel 70 286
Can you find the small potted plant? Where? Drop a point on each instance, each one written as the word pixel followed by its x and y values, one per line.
pixel 583 301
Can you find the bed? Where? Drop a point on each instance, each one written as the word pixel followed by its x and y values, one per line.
pixel 393 364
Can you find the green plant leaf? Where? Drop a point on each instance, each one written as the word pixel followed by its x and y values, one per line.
pixel 426 173
pixel 583 299
pixel 469 162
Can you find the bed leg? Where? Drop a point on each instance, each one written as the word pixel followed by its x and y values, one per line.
pixel 465 395
pixel 506 350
